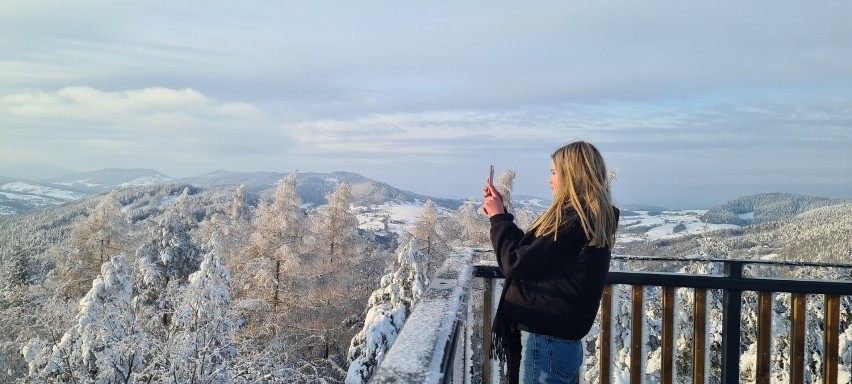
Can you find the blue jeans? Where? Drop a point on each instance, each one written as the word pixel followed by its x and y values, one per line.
pixel 547 359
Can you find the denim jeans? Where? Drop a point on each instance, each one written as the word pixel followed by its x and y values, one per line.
pixel 547 359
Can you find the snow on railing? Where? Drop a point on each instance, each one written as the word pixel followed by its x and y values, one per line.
pixel 427 349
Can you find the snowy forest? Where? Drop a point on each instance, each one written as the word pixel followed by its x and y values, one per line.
pixel 180 283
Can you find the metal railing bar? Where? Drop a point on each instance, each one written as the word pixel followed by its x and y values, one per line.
pixel 730 283
pixel 703 259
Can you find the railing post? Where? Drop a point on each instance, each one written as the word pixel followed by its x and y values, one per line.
pixel 764 337
pixel 699 336
pixel 797 337
pixel 731 313
pixel 487 311
pixel 666 374
pixel 605 335
pixel 637 314
pixel 831 338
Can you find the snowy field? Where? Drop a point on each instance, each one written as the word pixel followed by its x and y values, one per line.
pixel 649 226
pixel 397 217
pixel 646 226
pixel 21 188
pixel 32 195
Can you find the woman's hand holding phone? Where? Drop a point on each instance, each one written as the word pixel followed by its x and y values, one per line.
pixel 493 204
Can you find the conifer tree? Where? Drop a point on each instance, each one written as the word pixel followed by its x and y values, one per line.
pixel 425 230
pixel 105 345
pixel 203 325
pixel 323 285
pixel 388 308
pixel 93 242
pixel 275 245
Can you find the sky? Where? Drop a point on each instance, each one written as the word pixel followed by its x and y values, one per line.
pixel 692 104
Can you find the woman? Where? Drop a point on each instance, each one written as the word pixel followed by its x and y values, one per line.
pixel 555 272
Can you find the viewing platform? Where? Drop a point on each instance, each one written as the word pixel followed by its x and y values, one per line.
pixel 442 340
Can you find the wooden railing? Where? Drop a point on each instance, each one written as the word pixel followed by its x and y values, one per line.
pixel 459 352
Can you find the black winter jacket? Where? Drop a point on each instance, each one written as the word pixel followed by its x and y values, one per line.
pixel 552 287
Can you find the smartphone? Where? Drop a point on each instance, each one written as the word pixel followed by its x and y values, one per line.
pixel 491 174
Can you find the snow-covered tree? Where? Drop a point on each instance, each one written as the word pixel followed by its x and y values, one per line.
pixel 425 230
pixel 275 245
pixel 388 307
pixel 239 209
pixel 105 345
pixel 333 269
pixel 15 271
pixel 467 226
pixel 504 184
pixel 165 263
pixel 203 325
pixel 93 241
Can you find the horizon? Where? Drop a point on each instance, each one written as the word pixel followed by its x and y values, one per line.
pixel 691 104
pixel 52 175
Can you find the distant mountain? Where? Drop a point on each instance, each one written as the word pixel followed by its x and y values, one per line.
pixel 110 178
pixel 18 196
pixel 312 186
pixel 764 207
pixel 220 177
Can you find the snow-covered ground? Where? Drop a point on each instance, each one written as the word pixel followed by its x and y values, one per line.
pixel 398 216
pixel 22 188
pixel 17 194
pixel 647 226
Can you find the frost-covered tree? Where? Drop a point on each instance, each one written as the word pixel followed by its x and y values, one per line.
pixel 388 307
pixel 504 184
pixel 239 209
pixel 15 271
pixel 93 241
pixel 332 271
pixel 467 226
pixel 275 245
pixel 425 230
pixel 105 345
pixel 203 325
pixel 165 263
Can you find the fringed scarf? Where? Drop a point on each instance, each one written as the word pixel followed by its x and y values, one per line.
pixel 506 340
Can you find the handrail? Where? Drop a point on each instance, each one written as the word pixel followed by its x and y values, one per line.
pixel 431 347
pixel 426 348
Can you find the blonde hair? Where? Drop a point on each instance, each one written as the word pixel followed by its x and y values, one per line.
pixel 583 190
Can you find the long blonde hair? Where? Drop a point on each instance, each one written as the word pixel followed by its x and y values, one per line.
pixel 583 190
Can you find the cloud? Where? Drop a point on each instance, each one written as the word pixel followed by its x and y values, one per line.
pixel 169 127
pixel 675 95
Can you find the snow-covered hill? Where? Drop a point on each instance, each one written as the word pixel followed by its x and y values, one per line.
pixel 107 179
pixel 18 196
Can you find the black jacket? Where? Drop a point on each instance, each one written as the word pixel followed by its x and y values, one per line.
pixel 552 287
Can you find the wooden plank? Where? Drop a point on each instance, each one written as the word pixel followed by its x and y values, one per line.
pixel 606 335
pixel 636 318
pixel 764 337
pixel 666 374
pixel 699 335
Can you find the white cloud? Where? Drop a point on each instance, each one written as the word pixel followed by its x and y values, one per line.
pixel 673 93
pixel 87 126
